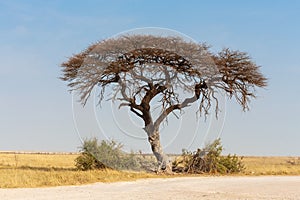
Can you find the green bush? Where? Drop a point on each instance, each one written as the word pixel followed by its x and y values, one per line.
pixel 87 159
pixel 109 154
pixel 208 160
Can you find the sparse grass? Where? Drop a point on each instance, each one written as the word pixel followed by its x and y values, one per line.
pixel 39 170
pixel 11 178
pixel 37 160
pixel 272 165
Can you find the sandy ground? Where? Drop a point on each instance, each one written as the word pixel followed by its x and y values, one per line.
pixel 192 188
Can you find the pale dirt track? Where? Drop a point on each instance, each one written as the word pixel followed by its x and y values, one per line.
pixel 192 188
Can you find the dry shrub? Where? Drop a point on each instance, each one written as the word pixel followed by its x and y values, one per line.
pixel 208 160
pixel 109 154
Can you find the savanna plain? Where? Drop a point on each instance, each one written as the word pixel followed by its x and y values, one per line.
pixel 33 174
pixel 44 170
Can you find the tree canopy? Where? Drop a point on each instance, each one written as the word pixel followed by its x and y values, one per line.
pixel 138 63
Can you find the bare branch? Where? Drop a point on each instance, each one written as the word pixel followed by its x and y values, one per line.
pixel 143 67
pixel 137 113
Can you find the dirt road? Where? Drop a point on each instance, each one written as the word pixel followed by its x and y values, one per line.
pixel 192 188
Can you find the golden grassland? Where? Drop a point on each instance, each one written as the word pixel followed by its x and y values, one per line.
pixel 272 165
pixel 39 170
pixel 43 170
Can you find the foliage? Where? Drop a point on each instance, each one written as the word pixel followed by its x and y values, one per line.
pixel 208 160
pixel 109 154
pixel 87 159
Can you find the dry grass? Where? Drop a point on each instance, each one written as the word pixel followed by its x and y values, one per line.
pixel 40 170
pixel 272 165
pixel 37 170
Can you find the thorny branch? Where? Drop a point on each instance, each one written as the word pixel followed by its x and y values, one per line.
pixel 140 68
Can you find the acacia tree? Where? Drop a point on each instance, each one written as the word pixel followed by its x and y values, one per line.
pixel 141 69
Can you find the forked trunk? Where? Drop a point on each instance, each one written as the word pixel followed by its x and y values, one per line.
pixel 161 157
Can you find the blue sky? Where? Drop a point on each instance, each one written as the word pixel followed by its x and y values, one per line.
pixel 36 36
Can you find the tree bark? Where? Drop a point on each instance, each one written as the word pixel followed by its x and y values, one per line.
pixel 162 159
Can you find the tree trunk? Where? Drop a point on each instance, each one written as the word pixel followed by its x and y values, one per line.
pixel 162 159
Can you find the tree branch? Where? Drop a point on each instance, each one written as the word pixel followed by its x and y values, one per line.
pixel 198 89
pixel 137 113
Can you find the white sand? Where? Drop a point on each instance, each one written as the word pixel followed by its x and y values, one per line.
pixel 231 188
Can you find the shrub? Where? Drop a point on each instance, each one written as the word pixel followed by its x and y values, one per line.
pixel 87 158
pixel 208 160
pixel 109 154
